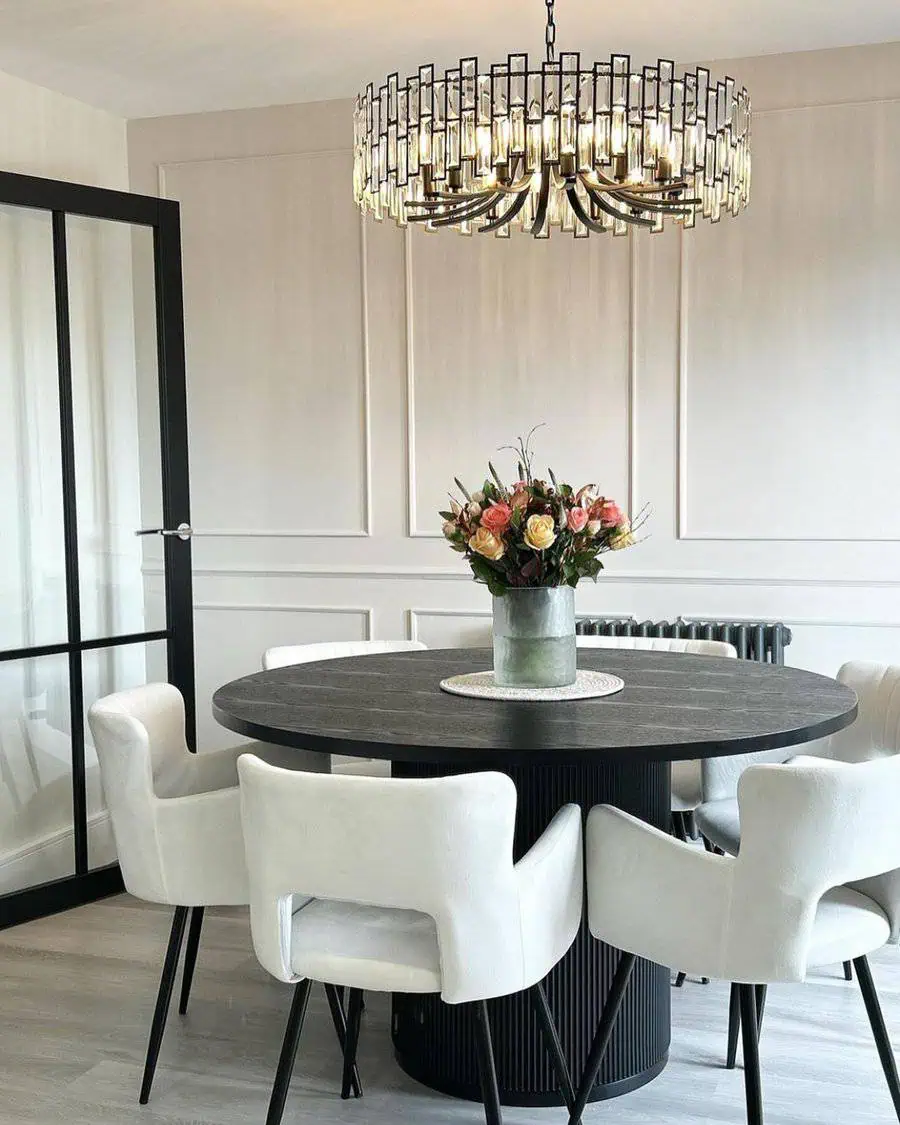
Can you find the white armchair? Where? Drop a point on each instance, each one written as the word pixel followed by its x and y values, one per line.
pixel 406 885
pixel 812 831
pixel 177 824
pixel 285 655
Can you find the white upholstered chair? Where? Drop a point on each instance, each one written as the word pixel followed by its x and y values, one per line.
pixel 406 885
pixel 813 830
pixel 177 824
pixel 285 655
pixel 875 734
pixel 686 783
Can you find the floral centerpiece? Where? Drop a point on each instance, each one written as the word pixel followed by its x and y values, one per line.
pixel 530 543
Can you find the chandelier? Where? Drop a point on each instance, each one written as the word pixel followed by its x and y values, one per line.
pixel 595 148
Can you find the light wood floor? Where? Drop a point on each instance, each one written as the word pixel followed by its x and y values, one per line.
pixel 77 993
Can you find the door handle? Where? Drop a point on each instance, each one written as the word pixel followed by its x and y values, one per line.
pixel 183 531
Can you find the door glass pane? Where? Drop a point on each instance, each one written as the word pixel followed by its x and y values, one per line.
pixel 36 828
pixel 117 438
pixel 106 670
pixel 32 556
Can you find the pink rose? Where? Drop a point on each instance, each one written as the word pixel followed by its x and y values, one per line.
pixel 496 518
pixel 608 512
pixel 520 499
pixel 577 519
pixel 520 485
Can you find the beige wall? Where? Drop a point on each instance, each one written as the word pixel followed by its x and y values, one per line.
pixel 741 379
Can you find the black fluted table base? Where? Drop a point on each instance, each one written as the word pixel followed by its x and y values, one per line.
pixel 435 1042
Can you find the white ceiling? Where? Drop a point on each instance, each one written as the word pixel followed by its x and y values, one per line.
pixel 145 58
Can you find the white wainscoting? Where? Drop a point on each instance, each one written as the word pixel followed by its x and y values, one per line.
pixel 741 380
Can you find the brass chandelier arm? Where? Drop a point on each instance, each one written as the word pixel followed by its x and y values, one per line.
pixel 603 183
pixel 663 206
pixel 508 215
pixel 442 198
pixel 459 214
pixel 635 220
pixel 576 205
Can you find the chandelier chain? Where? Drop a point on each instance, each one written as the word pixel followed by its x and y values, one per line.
pixel 550 37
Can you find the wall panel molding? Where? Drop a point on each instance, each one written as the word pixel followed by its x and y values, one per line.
pixel 365 531
pixel 366 612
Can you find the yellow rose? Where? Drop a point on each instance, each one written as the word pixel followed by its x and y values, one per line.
pixel 622 537
pixel 486 543
pixel 540 532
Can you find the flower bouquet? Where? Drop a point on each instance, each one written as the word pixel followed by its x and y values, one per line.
pixel 530 543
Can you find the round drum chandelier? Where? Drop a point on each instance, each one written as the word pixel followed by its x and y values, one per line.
pixel 599 147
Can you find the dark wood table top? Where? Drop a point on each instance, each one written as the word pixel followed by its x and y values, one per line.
pixel 673 706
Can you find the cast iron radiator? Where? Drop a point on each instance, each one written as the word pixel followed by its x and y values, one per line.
pixel 764 641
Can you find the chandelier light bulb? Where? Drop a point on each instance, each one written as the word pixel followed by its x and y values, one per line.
pixel 593 148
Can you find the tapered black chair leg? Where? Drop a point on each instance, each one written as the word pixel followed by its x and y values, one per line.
pixel 761 993
pixel 678 829
pixel 603 1035
pixel 288 1053
pixel 734 1025
pixel 879 1030
pixel 487 1068
pixel 750 1036
pixel 848 970
pixel 680 979
pixel 190 958
pixel 354 1016
pixel 340 1028
pixel 707 844
pixel 163 997
pixel 552 1042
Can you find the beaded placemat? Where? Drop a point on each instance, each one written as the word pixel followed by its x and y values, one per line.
pixel 588 685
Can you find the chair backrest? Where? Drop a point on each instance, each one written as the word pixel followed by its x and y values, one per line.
pixel 806 828
pixel 874 734
pixel 659 644
pixel 440 846
pixel 176 825
pixel 138 735
pixel 285 655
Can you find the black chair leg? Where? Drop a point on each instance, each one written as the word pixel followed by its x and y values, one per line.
pixel 678 827
pixel 288 1053
pixel 680 979
pixel 848 970
pixel 190 958
pixel 603 1035
pixel 734 1025
pixel 354 1016
pixel 340 1028
pixel 761 992
pixel 879 1030
pixel 750 1036
pixel 552 1042
pixel 707 844
pixel 163 997
pixel 487 1068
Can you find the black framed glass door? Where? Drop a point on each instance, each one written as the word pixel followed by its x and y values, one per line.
pixel 95 579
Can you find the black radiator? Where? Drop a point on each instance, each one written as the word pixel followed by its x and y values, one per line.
pixel 764 641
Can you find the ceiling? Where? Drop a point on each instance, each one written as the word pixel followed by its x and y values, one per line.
pixel 146 58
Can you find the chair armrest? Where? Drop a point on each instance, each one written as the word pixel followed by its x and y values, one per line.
pixel 550 878
pixel 202 848
pixel 650 894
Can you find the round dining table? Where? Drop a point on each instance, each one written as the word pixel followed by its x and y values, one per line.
pixel 617 750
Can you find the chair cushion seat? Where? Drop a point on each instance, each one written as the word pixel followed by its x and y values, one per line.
pixel 720 823
pixel 687 789
pixel 365 947
pixel 847 925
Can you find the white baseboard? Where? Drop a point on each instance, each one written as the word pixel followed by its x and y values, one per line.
pixel 53 856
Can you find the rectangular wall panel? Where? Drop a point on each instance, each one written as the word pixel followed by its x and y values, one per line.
pixel 273 279
pixel 504 336
pixel 789 388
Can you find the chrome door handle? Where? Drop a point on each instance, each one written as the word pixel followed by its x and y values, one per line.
pixel 183 531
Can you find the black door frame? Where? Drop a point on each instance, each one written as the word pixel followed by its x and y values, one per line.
pixel 60 199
